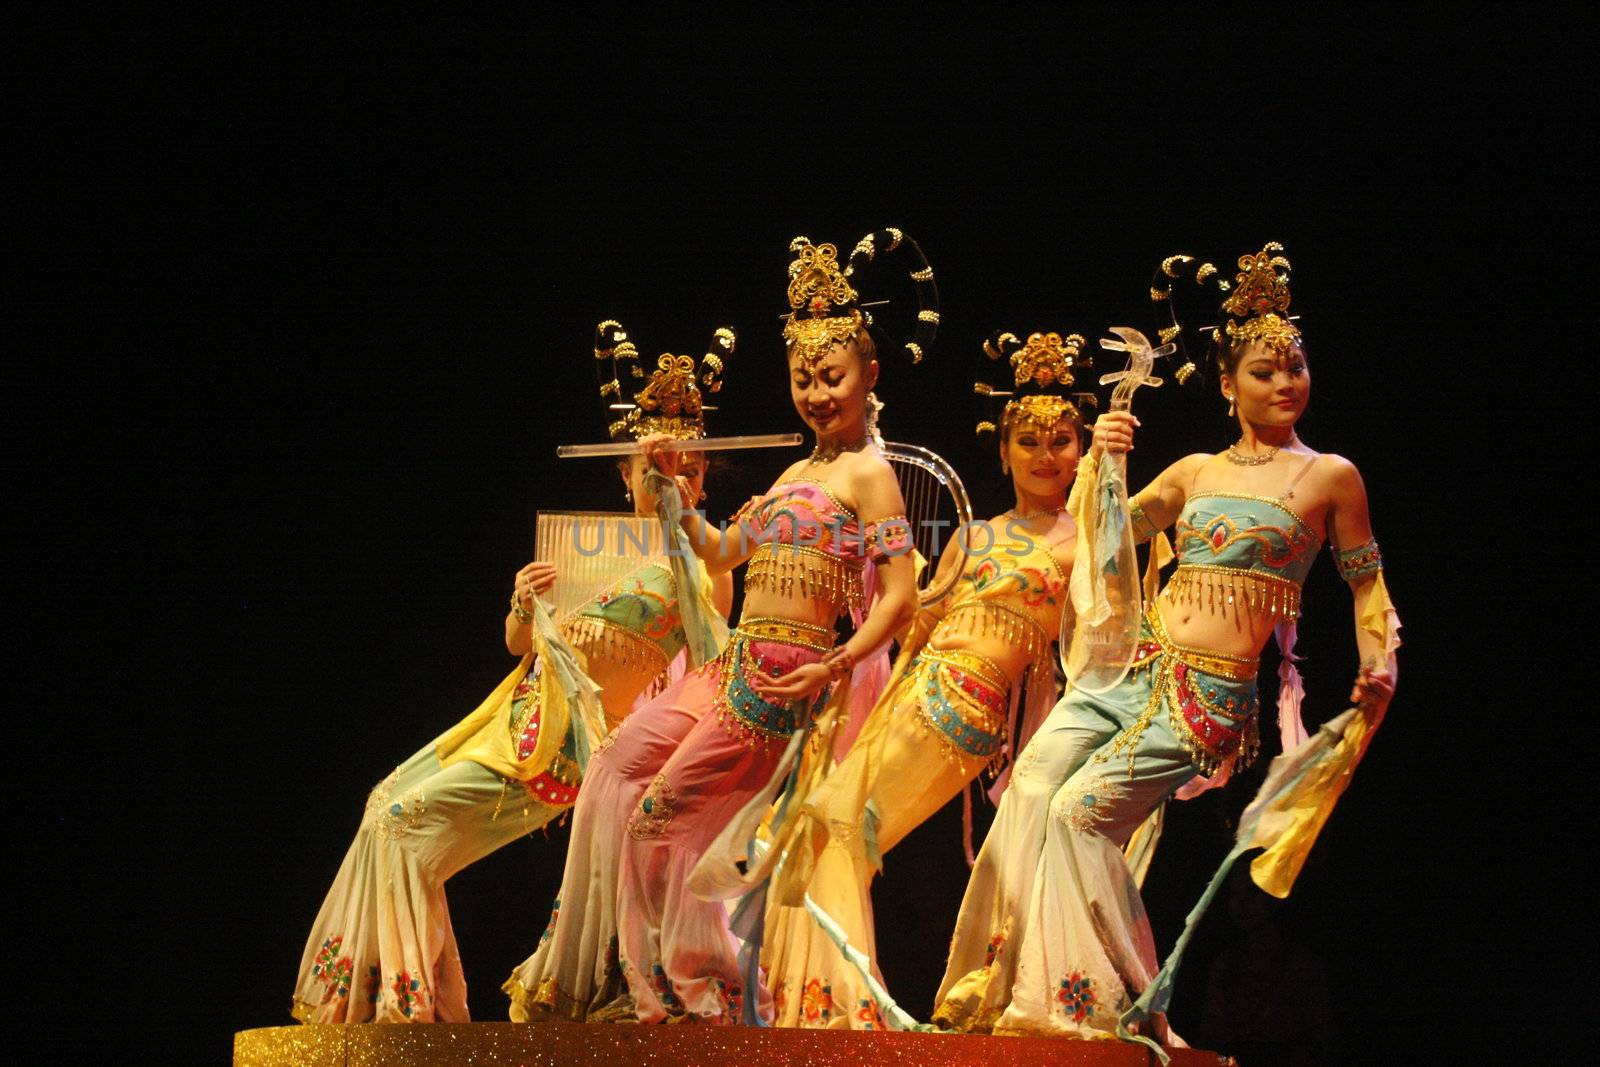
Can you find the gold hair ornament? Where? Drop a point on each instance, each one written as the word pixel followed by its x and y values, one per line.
pixel 821 302
pixel 671 400
pixel 1260 297
pixel 1042 369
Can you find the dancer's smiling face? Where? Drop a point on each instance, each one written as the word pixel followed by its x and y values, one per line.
pixel 1043 460
pixel 831 394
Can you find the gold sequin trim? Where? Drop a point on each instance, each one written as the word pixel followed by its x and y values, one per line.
pixel 1214 587
pixel 598 638
pixel 789 632
pixel 815 574
pixel 982 667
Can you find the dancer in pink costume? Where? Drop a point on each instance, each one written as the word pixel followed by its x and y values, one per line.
pixel 691 776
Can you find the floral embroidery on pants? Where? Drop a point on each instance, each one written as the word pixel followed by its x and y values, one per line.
pixel 409 993
pixel 816 1002
pixel 1083 804
pixel 332 969
pixel 663 990
pixel 730 996
pixel 1076 996
pixel 996 943
pixel 550 927
pixel 655 810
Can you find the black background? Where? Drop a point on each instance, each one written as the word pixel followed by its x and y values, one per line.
pixel 299 313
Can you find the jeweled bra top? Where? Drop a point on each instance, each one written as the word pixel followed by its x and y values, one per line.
pixel 808 539
pixel 1248 552
pixel 635 622
pixel 1016 590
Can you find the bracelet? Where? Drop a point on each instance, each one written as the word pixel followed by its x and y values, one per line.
pixel 839 662
pixel 522 613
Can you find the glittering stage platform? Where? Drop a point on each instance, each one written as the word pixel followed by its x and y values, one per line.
pixel 576 1045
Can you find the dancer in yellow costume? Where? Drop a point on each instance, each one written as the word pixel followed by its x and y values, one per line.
pixel 383 948
pixel 947 713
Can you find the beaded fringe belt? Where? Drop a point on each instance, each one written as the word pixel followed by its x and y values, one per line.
pixel 816 574
pixel 962 697
pixel 983 618
pixel 1211 725
pixel 742 710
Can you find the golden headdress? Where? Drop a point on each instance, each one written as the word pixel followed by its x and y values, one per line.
pixel 1255 305
pixel 824 307
pixel 670 399
pixel 1043 370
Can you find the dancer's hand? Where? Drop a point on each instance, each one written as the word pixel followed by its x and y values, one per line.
pixel 687 493
pixel 665 460
pixel 1374 688
pixel 1113 432
pixel 806 680
pixel 533 580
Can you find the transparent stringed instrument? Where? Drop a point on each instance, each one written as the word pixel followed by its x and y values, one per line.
pixel 937 507
pixel 1097 653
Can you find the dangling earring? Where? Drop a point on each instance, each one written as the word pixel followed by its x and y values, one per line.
pixel 1230 407
pixel 628 493
pixel 874 405
pixel 1005 465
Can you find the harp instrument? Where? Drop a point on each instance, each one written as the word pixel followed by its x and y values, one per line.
pixel 938 509
pixel 593 550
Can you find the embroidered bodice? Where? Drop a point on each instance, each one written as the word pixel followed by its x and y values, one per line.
pixel 807 538
pixel 1233 548
pixel 636 621
pixel 1016 590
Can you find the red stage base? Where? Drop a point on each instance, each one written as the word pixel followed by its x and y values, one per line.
pixel 577 1045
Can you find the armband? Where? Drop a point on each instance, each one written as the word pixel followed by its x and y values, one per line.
pixel 1143 528
pixel 887 537
pixel 1359 562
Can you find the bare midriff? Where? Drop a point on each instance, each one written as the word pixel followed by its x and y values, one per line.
pixel 1233 630
pixel 773 604
pixel 1010 657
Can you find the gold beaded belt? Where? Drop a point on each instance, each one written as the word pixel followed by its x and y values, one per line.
pixel 1220 664
pixel 978 666
pixel 789 632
